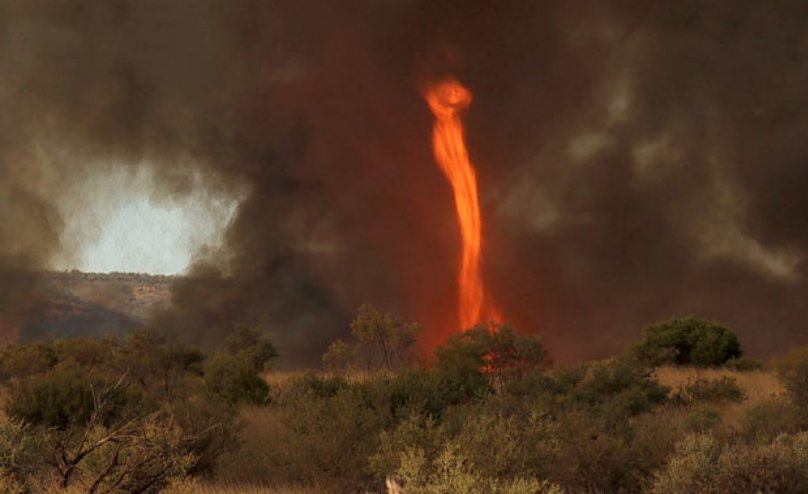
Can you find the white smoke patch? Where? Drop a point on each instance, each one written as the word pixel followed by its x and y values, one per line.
pixel 721 235
pixel 118 221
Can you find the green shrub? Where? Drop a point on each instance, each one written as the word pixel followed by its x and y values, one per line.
pixel 20 454
pixel 235 380
pixel 702 419
pixel 614 390
pixel 65 397
pixel 773 417
pixel 687 341
pixel 323 435
pixel 413 432
pixel 247 343
pixel 19 361
pixel 703 464
pixel 316 386
pixel 793 372
pixel 210 429
pixel 382 341
pixel 451 473
pixel 460 364
pixel 475 362
pixel 743 364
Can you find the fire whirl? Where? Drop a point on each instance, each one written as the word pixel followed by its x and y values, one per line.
pixel 447 99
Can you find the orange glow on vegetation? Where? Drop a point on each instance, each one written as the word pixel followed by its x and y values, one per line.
pixel 447 99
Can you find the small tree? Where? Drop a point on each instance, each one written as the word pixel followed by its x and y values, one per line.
pixel 381 341
pixel 494 352
pixel 339 357
pixel 235 373
pixel 248 343
pixel 235 380
pixel 687 341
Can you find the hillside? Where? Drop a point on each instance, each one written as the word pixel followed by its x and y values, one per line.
pixel 79 303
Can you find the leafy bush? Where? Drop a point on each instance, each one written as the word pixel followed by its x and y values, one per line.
pixel 20 452
pixel 65 397
pixel 247 343
pixel 451 473
pixel 614 390
pixel 743 364
pixel 687 341
pixel 19 361
pixel 476 361
pixel 703 464
pixel 702 419
pixel 326 437
pixel 235 380
pixel 380 342
pixel 773 417
pixel 793 372
pixel 114 418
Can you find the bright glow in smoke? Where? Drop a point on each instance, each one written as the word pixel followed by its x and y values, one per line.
pixel 121 225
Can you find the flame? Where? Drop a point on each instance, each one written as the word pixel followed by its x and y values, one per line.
pixel 447 99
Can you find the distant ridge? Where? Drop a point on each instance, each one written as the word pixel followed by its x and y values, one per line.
pixel 75 274
pixel 78 303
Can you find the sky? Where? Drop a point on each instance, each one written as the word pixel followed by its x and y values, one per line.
pixel 636 161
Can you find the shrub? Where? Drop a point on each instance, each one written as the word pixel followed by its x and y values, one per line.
pixel 19 361
pixel 20 452
pixel 382 339
pixel 743 364
pixel 451 473
pixel 793 372
pixel 210 429
pixel 772 417
pixel 339 357
pixel 324 431
pixel 687 341
pixel 460 364
pixel 65 397
pixel 235 380
pixel 614 389
pixel 476 361
pixel 702 419
pixel 248 344
pixel 414 432
pixel 702 464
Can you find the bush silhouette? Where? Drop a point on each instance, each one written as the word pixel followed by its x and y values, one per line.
pixel 687 341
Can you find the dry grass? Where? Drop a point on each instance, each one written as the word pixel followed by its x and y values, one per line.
pixel 262 427
pixel 201 488
pixel 279 379
pixel 758 385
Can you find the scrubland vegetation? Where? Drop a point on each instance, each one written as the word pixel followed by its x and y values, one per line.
pixel 681 412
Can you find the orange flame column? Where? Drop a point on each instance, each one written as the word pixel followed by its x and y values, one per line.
pixel 447 99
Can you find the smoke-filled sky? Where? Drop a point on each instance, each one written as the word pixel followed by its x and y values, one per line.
pixel 636 160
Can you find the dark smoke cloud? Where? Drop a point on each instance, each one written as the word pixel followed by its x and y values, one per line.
pixel 637 160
